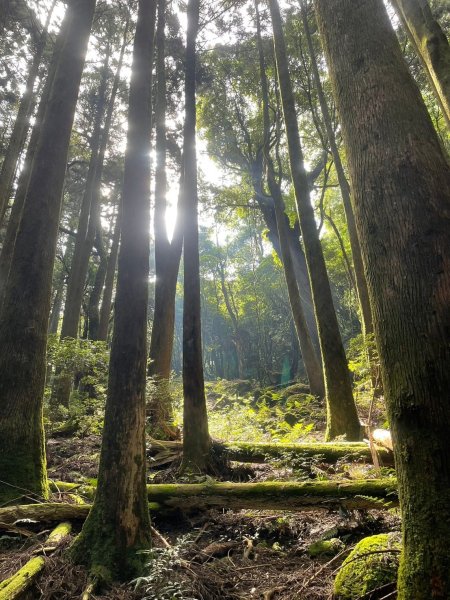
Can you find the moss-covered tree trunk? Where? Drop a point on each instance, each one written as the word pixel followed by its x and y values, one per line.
pixel 431 45
pixel 401 200
pixel 26 305
pixel 342 418
pixel 312 364
pixel 118 525
pixel 196 440
pixel 167 262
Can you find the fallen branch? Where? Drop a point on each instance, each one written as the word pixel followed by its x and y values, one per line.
pixel 14 587
pixel 160 451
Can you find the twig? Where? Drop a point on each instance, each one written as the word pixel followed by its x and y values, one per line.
pixel 160 537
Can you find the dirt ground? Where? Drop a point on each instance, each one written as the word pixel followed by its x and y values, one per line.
pixel 211 555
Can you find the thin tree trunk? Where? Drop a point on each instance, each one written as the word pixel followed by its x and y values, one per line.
pixel 312 365
pixel 361 284
pixel 93 309
pixel 167 262
pixel 196 440
pixel 105 311
pixel 431 45
pixel 26 306
pixel 401 200
pixel 22 122
pixel 118 525
pixel 342 418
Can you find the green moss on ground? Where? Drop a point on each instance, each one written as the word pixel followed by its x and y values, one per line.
pixel 325 548
pixel 372 564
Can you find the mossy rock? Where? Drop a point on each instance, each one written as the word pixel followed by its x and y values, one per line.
pixel 372 564
pixel 325 548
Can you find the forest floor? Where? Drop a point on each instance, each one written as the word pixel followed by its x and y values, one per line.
pixel 209 555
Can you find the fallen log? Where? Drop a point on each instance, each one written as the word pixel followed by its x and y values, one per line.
pixel 270 495
pixel 276 495
pixel 14 587
pixel 160 451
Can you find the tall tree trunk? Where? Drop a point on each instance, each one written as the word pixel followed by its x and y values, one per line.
pixel 431 45
pixel 118 524
pixel 26 306
pixel 401 200
pixel 22 122
pixel 267 208
pixel 342 418
pixel 89 220
pixel 105 310
pixel 312 364
pixel 167 261
pixel 24 177
pixel 361 284
pixel 93 308
pixel 196 440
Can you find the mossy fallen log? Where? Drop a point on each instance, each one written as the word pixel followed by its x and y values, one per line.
pixel 270 495
pixel 263 452
pixel 14 587
pixel 275 495
pixel 48 512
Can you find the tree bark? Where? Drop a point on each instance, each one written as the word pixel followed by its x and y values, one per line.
pixel 196 440
pixel 431 45
pixel 401 200
pixel 26 306
pixel 118 525
pixel 312 365
pixel 83 246
pixel 24 177
pixel 342 417
pixel 105 311
pixel 167 262
pixel 93 308
pixel 361 284
pixel 22 122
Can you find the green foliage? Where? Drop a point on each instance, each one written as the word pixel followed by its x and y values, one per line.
pixel 89 361
pixel 163 581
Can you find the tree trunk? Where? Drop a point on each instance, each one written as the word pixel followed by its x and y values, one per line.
pixel 118 525
pixel 167 262
pixel 361 284
pixel 342 418
pixel 24 177
pixel 401 199
pixel 312 365
pixel 431 45
pixel 22 122
pixel 83 246
pixel 93 309
pixel 26 306
pixel 196 440
pixel 105 310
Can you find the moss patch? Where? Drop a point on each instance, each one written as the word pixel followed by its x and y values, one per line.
pixel 372 564
pixel 325 548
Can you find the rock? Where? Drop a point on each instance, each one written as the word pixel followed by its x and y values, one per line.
pixel 325 548
pixel 371 565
